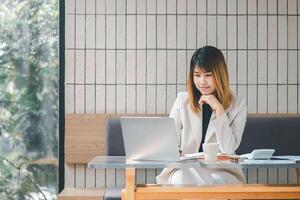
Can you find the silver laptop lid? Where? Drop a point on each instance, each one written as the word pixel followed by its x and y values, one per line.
pixel 150 138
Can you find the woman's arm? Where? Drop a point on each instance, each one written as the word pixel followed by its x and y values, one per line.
pixel 175 114
pixel 229 135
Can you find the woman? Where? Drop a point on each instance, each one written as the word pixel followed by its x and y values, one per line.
pixel 207 113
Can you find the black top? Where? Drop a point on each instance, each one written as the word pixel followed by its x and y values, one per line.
pixel 206 114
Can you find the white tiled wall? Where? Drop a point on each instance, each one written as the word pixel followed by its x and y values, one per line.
pixel 132 56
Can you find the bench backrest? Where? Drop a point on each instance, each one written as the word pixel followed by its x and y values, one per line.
pixel 280 132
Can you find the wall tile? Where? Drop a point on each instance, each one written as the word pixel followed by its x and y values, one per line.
pixel 282 66
pixel 111 31
pixel 111 6
pixel 90 99
pixel 262 99
pixel 141 33
pixel 292 99
pixel 201 31
pixel 141 101
pixel 101 6
pixel 90 6
pixel 221 6
pixel 69 66
pixel 181 6
pixel 191 6
pixel 80 66
pixel 211 30
pixel 162 67
pixel 171 6
pixel 272 99
pixel 69 99
pixel 171 67
pixel 131 31
pixel 272 7
pixel 191 32
pixel 110 66
pixel 181 32
pixel 282 99
pixel 292 67
pixel 80 31
pixel 292 7
pixel 252 7
pixel 262 32
pixel 262 67
pixel 131 98
pixel 282 34
pixel 151 32
pixel 162 7
pixel 131 6
pixel 161 99
pixel 100 66
pixel 100 33
pixel 120 99
pixel 242 32
pixel 221 32
pixel 282 6
pixel 80 6
pixel 292 32
pixel 181 67
pixel 121 6
pixel 69 31
pixel 121 66
pixel 252 32
pixel 151 6
pixel 151 67
pixel 70 7
pixel 79 99
pixel 272 32
pixel 242 6
pixel 131 67
pixel 272 67
pixel 242 67
pixel 161 31
pixel 121 31
pixel 90 70
pixel 141 66
pixel 232 34
pixel 90 31
pixel 100 99
pixel 262 6
pixel 171 31
pixel 151 99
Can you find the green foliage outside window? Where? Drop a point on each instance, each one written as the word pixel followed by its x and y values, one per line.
pixel 28 99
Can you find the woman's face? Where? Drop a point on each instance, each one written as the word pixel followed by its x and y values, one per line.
pixel 204 81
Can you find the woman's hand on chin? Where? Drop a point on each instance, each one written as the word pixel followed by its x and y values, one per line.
pixel 213 102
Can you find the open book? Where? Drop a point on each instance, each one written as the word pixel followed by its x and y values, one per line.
pixel 221 156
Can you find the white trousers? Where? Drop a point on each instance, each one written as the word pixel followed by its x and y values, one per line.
pixel 199 176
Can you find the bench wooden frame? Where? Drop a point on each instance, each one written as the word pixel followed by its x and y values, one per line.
pixel 243 191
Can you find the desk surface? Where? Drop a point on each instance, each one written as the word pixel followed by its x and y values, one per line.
pixel 122 162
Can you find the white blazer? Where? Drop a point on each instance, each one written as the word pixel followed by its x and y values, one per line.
pixel 226 130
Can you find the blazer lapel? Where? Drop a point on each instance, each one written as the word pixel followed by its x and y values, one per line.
pixel 210 130
pixel 196 125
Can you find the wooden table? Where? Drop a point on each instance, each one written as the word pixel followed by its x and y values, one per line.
pixel 237 191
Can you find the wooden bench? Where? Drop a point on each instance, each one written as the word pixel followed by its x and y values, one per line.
pixel 85 139
pixel 81 194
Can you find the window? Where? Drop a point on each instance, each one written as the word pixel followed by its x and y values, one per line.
pixel 29 111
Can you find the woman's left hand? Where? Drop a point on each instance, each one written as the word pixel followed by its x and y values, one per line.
pixel 213 102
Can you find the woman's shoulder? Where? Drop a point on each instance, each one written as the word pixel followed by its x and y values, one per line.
pixel 182 97
pixel 237 101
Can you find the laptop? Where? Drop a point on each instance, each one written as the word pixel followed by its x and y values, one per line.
pixel 150 138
